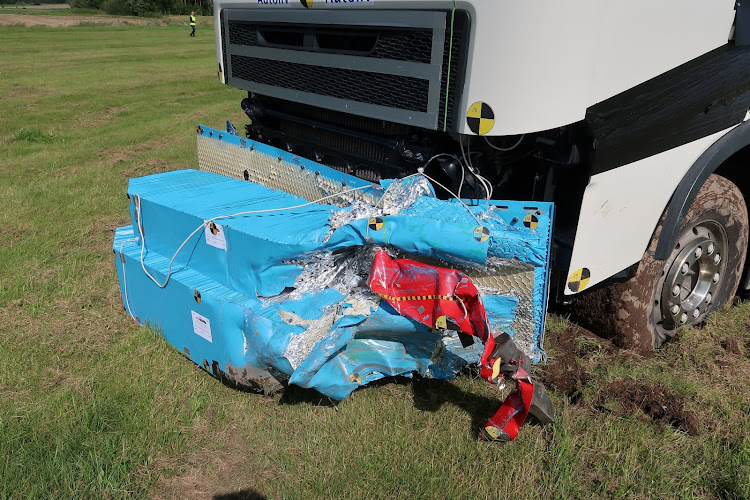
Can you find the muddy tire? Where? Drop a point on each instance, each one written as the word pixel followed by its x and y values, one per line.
pixel 701 274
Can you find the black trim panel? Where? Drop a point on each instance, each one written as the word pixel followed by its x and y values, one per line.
pixel 742 23
pixel 704 96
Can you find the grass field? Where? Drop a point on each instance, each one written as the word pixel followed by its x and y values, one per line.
pixel 91 405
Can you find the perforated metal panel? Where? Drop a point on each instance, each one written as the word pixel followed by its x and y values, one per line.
pixel 508 277
pixel 249 163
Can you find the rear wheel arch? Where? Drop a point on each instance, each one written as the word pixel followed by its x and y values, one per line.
pixel 711 199
pixel 646 310
pixel 728 157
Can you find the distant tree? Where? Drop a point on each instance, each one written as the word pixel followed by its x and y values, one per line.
pixel 144 7
pixel 116 7
pixel 85 4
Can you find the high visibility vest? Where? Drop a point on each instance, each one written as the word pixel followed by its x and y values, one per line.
pixel 192 20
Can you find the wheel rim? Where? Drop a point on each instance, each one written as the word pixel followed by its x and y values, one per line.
pixel 690 284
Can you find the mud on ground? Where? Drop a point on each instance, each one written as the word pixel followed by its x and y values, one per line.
pixel 65 21
pixel 576 353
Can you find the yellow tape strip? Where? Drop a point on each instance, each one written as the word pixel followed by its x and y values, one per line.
pixel 417 297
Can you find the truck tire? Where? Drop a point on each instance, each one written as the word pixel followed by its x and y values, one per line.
pixel 701 274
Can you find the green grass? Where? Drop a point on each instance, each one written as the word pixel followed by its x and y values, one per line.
pixel 92 405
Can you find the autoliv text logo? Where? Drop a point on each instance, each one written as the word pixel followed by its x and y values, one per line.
pixel 309 3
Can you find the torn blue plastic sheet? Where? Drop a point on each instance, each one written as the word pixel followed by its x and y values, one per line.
pixel 279 294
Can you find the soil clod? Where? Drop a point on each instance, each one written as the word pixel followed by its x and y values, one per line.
pixel 657 402
pixel 564 372
pixel 731 346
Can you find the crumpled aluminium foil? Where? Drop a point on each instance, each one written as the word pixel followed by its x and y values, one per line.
pixel 402 193
pixel 347 272
pixel 399 195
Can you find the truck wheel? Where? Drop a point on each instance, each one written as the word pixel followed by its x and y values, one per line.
pixel 701 274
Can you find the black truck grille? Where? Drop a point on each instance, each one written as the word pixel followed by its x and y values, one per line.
pixel 404 46
pixel 401 45
pixel 243 34
pixel 372 88
pixel 326 59
pixel 336 142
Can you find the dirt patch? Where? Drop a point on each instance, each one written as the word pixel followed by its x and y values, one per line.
pixel 216 470
pixel 46 6
pixel 564 372
pixel 575 356
pixel 152 166
pixel 656 402
pixel 731 346
pixel 65 21
pixel 98 118
pixel 18 91
pixel 112 156
pixel 106 226
pixel 16 230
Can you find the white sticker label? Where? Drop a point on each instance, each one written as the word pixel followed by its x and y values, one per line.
pixel 215 235
pixel 201 326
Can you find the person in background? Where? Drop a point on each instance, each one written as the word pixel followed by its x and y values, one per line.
pixel 192 23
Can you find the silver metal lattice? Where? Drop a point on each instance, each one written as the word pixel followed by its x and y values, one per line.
pixel 224 158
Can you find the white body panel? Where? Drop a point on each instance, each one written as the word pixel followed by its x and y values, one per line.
pixel 622 207
pixel 553 59
pixel 539 64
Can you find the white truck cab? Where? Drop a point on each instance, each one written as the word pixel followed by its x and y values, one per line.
pixel 629 116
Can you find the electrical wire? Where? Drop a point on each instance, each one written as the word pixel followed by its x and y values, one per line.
pixel 514 146
pixel 463 176
pixel 486 185
pixel 463 306
pixel 125 278
pixel 454 195
pixel 488 189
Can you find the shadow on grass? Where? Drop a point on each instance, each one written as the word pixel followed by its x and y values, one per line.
pixel 294 395
pixel 427 394
pixel 246 494
pixel 430 395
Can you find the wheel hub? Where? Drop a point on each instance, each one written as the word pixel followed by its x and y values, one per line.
pixel 695 274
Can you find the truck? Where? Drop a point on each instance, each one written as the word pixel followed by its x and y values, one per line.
pixel 415 174
pixel 628 116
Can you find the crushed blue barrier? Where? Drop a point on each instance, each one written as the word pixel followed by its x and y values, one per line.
pixel 277 296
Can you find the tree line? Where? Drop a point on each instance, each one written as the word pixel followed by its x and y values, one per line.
pixel 147 8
